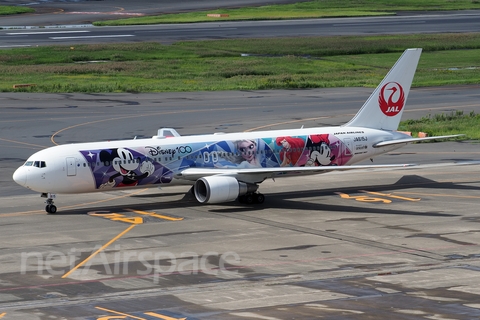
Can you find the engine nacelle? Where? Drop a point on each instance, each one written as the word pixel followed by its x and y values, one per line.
pixel 217 189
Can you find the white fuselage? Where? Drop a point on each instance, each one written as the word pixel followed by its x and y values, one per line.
pixel 141 163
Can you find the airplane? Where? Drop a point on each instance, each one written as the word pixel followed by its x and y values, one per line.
pixel 224 167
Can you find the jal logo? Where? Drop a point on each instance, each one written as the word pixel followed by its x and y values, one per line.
pixel 391 99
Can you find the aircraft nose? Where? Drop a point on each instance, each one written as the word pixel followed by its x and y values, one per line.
pixel 20 176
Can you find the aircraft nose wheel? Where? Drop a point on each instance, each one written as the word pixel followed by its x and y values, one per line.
pixel 50 208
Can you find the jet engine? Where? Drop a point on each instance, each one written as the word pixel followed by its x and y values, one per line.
pixel 217 189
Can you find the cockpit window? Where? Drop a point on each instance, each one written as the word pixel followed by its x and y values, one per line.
pixel 38 164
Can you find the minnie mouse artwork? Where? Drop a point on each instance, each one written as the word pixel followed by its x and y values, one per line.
pixel 321 154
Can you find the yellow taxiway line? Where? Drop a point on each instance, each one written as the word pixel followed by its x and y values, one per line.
pixel 109 243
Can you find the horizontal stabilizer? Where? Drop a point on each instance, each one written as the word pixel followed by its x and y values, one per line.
pixel 409 140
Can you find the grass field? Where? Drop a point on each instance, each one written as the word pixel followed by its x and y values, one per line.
pixel 218 65
pixel 445 124
pixel 301 10
pixel 4 10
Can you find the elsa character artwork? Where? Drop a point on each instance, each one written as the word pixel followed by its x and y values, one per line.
pixel 248 151
pixel 292 153
pixel 247 156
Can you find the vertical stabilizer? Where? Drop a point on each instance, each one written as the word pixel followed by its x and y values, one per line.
pixel 384 108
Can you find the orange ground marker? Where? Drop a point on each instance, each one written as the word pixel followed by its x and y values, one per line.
pixel 23 85
pixel 218 15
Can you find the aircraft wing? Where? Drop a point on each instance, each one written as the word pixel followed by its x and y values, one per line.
pixel 409 140
pixel 255 175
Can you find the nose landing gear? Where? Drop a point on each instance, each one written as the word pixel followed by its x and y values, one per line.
pixel 50 208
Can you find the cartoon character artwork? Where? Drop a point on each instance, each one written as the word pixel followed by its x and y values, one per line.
pixel 293 152
pixel 248 151
pixel 321 152
pixel 126 167
pixel 248 154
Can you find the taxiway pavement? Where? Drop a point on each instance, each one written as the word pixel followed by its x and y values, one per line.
pixel 397 244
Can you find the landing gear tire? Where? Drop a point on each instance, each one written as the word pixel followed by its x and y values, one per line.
pixel 252 198
pixel 259 198
pixel 51 208
pixel 249 199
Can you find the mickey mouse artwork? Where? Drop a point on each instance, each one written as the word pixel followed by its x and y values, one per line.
pixel 125 164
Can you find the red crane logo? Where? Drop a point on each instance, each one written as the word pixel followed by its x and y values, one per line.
pixel 386 102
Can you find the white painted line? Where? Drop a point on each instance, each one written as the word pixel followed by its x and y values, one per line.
pixel 119 13
pixel 89 37
pixel 65 26
pixel 16 45
pixel 189 30
pixel 377 23
pixel 45 32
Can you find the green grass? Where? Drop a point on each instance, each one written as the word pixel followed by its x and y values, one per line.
pixel 4 10
pixel 313 9
pixel 340 45
pixel 218 65
pixel 445 124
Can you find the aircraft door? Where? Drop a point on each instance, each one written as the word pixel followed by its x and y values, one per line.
pixel 348 147
pixel 71 168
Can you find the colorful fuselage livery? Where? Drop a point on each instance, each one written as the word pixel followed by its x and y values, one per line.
pixel 224 167
pixel 158 163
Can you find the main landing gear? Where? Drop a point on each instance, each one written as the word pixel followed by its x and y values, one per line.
pixel 251 198
pixel 50 208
